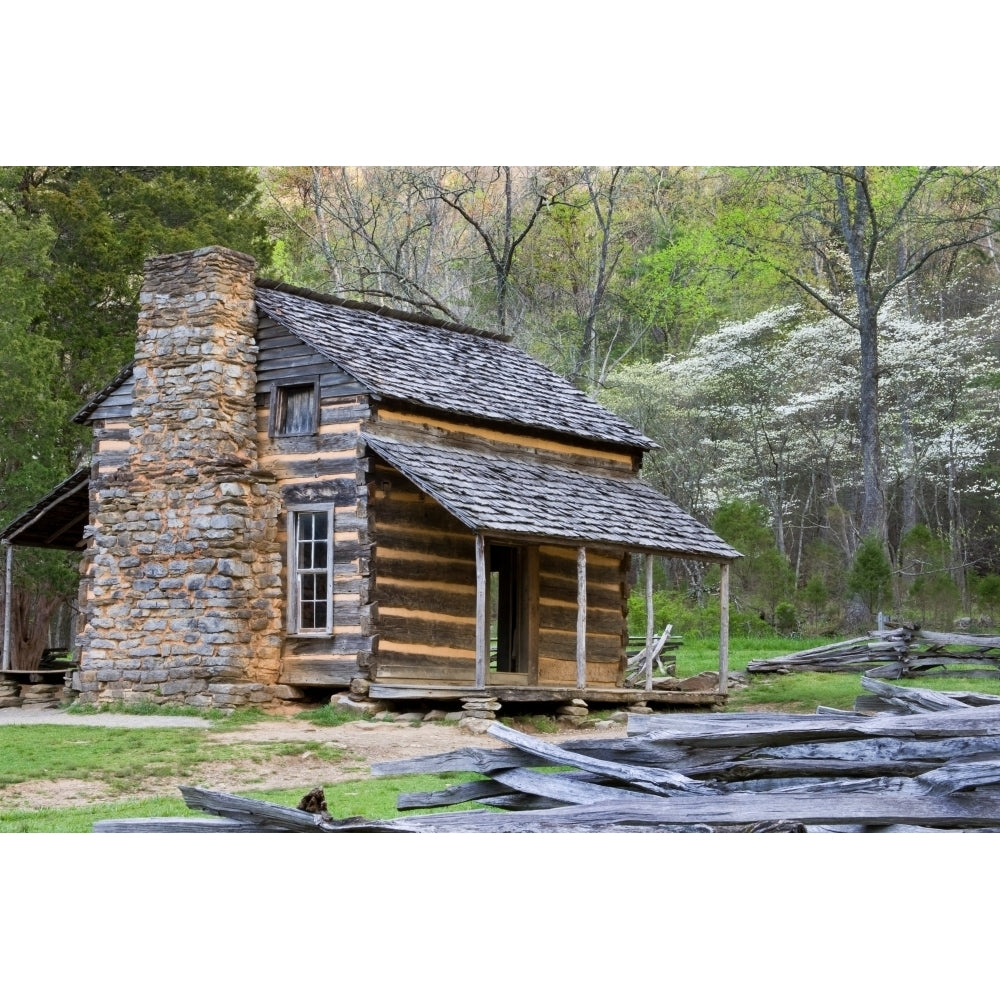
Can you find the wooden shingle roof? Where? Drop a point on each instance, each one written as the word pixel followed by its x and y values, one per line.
pixel 57 520
pixel 446 368
pixel 502 495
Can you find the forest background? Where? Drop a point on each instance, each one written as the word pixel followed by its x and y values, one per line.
pixel 815 349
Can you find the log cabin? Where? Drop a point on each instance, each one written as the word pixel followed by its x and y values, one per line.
pixel 289 492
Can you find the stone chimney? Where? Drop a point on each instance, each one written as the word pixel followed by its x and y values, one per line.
pixel 182 576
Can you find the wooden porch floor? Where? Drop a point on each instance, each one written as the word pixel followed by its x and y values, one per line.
pixel 550 695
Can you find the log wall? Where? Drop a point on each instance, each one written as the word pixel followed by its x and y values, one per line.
pixel 423 584
pixel 607 632
pixel 324 468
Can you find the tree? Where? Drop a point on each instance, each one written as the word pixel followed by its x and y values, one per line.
pixel 871 576
pixel 370 233
pixel 847 238
pixel 763 573
pixel 107 221
pixel 34 446
pixel 501 205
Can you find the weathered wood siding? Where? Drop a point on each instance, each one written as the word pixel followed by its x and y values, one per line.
pixel 321 468
pixel 424 585
pixel 110 422
pixel 396 420
pixel 425 561
pixel 607 632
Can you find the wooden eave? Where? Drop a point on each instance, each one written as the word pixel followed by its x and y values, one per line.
pixel 57 520
pixel 86 411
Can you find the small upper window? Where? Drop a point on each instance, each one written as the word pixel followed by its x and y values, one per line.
pixel 294 410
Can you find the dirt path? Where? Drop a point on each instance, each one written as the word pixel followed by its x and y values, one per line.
pixel 268 762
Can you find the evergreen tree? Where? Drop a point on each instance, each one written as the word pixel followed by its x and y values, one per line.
pixel 871 576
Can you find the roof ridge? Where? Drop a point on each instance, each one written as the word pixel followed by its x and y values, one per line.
pixel 423 319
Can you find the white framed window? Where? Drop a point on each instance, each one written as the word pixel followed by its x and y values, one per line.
pixel 294 409
pixel 310 570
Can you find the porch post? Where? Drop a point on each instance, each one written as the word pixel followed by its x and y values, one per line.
pixel 482 621
pixel 581 617
pixel 649 621
pixel 724 629
pixel 7 584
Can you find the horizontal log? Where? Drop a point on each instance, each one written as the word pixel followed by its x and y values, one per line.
pixel 562 617
pixel 736 809
pixel 916 697
pixel 729 729
pixel 177 824
pixel 562 672
pixel 470 791
pixel 330 672
pixel 266 815
pixel 561 560
pixel 311 469
pixel 424 569
pixel 444 630
pixel 327 645
pixel 397 664
pixel 433 423
pixel 407 540
pixel 546 694
pixel 339 447
pixel 457 600
pixel 562 645
pixel 397 514
pixel 564 788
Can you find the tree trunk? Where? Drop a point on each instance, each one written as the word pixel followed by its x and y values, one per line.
pixel 855 228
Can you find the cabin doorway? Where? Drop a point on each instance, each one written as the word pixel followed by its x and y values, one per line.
pixel 509 569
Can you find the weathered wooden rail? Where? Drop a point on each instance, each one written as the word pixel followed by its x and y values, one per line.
pixel 902 651
pixel 937 767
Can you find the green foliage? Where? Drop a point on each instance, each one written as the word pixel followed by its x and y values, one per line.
pixel 107 221
pixel 762 577
pixel 988 593
pixel 541 723
pixel 815 595
pixel 785 617
pixel 744 525
pixel 330 715
pixel 871 576
pixel 671 607
pixel 934 597
pixel 937 599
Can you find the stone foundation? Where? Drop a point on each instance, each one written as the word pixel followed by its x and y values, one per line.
pixel 182 578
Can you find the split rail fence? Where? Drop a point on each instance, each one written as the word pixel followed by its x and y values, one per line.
pixel 931 761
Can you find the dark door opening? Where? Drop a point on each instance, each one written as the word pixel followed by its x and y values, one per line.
pixel 504 564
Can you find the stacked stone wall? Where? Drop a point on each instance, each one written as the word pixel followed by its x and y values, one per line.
pixel 182 585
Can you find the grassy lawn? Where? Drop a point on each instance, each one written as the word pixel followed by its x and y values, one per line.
pixel 122 757
pixel 372 798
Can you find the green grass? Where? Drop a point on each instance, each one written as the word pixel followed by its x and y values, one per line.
pixel 144 708
pixel 697 655
pixel 224 719
pixel 373 798
pixel 795 692
pixel 330 715
pixel 122 758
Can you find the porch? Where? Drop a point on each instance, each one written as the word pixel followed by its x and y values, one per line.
pixel 534 695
